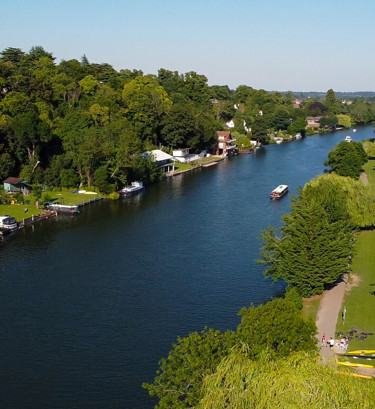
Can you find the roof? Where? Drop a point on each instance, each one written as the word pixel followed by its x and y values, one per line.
pixel 14 181
pixel 223 133
pixel 159 155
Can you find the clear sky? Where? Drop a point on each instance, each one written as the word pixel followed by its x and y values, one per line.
pixel 280 45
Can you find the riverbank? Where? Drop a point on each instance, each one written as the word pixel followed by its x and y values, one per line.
pixel 186 167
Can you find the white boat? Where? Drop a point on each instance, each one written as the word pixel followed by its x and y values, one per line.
pixel 135 187
pixel 298 135
pixel 8 223
pixel 279 192
pixel 348 138
pixel 354 130
pixel 279 140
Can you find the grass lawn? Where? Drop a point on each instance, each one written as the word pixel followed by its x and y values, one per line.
pixel 17 211
pixel 310 307
pixel 70 198
pixel 369 168
pixel 179 167
pixel 359 302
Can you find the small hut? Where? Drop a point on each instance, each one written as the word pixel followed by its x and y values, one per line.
pixel 16 185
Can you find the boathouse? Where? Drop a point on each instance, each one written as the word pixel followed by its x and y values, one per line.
pixel 16 185
pixel 225 144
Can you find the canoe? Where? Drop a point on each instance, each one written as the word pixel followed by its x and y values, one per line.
pixel 362 352
pixel 352 364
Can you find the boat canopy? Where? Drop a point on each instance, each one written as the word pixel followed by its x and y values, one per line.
pixel 280 188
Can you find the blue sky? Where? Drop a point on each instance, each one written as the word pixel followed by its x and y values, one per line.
pixel 270 44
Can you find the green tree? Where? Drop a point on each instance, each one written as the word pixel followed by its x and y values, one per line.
pixel 315 244
pixel 281 118
pixel 179 381
pixel 298 125
pixel 259 129
pixel 276 326
pixel 344 120
pixel 347 159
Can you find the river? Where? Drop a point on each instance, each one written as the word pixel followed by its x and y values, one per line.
pixel 89 304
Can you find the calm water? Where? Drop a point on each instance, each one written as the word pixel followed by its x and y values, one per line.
pixel 89 304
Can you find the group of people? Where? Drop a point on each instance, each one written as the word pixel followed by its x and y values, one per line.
pixel 343 344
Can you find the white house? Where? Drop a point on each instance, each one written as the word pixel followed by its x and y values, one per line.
pixel 229 124
pixel 165 161
pixel 183 155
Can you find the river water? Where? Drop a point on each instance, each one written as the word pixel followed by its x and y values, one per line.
pixel 89 304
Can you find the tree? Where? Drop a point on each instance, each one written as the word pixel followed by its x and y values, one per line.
pixel 146 102
pixel 178 126
pixel 299 125
pixel 179 380
pixel 297 381
pixel 315 244
pixel 344 120
pixel 276 326
pixel 281 118
pixel 347 159
pixel 259 129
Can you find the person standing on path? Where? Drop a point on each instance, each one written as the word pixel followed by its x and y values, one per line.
pixel 324 340
pixel 331 343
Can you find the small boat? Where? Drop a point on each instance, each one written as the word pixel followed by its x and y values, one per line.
pixel 348 139
pixel 60 208
pixel 352 364
pixel 354 130
pixel 298 135
pixel 279 140
pixel 362 352
pixel 279 192
pixel 134 188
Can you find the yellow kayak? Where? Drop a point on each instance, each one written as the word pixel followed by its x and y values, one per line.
pixel 356 375
pixel 361 352
pixel 354 365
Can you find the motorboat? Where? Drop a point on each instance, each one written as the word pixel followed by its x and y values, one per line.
pixel 134 188
pixel 279 192
pixel 348 139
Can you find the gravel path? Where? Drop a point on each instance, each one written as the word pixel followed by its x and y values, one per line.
pixel 326 319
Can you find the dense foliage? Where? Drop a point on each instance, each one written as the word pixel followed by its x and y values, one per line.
pixel 179 381
pixel 315 243
pixel 277 327
pixel 347 159
pixel 78 122
pixel 297 381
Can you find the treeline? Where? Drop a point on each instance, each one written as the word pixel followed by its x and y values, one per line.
pixel 82 123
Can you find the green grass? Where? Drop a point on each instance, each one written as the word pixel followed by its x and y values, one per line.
pixel 359 302
pixel 17 211
pixel 369 168
pixel 310 308
pixel 179 167
pixel 70 198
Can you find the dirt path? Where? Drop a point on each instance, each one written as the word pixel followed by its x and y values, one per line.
pixel 326 319
pixel 364 178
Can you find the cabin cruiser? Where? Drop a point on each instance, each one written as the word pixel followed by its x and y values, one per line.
pixel 348 139
pixel 135 187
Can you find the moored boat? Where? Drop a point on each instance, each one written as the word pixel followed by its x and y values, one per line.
pixel 134 188
pixel 279 192
pixel 348 138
